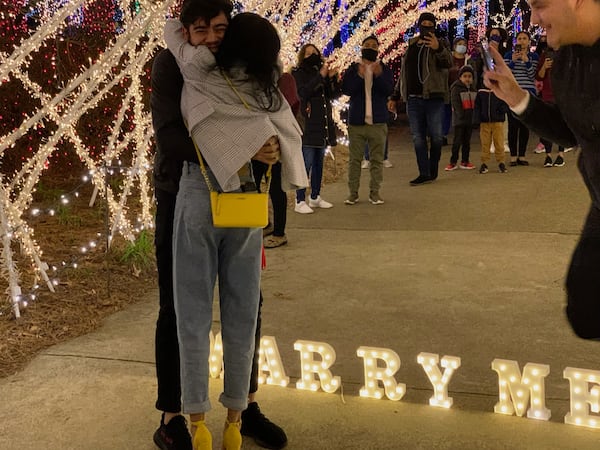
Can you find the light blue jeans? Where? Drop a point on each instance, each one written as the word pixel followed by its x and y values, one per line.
pixel 200 253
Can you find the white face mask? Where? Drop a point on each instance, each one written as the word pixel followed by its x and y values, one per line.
pixel 462 49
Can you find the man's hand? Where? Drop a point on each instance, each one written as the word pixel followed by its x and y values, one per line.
pixel 502 82
pixel 269 153
pixel 391 106
pixel 431 41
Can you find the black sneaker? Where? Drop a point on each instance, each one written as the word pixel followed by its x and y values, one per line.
pixel 548 161
pixel 559 161
pixel 264 432
pixel 420 180
pixel 483 168
pixel 502 168
pixel 174 435
pixel 522 162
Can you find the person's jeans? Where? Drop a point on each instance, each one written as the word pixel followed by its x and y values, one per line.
pixel 166 344
pixel 313 161
pixel 200 253
pixel 425 118
pixel 447 124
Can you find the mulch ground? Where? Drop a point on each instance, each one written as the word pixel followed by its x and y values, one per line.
pixel 101 285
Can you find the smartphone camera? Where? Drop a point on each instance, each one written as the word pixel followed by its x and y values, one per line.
pixel 488 61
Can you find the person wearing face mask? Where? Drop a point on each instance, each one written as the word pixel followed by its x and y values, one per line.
pixel 460 58
pixel 317 85
pixel 424 88
pixel 368 83
pixel 523 64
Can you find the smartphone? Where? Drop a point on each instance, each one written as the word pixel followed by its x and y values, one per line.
pixel 488 61
pixel 517 48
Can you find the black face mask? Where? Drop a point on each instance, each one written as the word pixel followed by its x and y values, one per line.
pixel 425 31
pixel 313 60
pixel 369 54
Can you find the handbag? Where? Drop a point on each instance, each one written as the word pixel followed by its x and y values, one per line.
pixel 237 209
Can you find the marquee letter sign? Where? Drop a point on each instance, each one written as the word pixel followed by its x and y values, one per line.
pixel 519 388
pixel 374 373
pixel 310 367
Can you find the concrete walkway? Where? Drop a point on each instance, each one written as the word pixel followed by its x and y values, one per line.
pixel 470 266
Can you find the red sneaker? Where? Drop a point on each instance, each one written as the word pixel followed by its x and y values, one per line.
pixel 466 165
pixel 450 167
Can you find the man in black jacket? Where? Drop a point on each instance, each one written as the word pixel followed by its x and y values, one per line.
pixel 574 27
pixel 174 146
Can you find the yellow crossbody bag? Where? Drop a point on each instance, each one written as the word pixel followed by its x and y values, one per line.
pixel 237 209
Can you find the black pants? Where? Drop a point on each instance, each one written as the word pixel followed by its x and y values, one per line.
pixel 462 138
pixel 278 196
pixel 548 146
pixel 166 342
pixel 583 282
pixel 518 136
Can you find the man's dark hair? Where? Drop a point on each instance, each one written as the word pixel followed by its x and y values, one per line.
pixel 252 43
pixel 192 10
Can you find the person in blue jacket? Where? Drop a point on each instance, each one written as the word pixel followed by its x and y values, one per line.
pixel 368 83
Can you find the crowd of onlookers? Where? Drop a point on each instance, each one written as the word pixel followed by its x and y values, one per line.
pixel 441 86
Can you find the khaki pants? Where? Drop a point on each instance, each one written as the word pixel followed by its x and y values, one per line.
pixel 488 132
pixel 359 136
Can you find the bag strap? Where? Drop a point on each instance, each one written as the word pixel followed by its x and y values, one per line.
pixel 203 168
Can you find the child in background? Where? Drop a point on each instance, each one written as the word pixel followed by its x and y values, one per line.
pixel 462 98
pixel 490 113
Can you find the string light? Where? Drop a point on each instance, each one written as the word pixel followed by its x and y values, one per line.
pixel 135 34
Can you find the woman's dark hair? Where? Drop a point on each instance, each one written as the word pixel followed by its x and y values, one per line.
pixel 192 10
pixel 502 31
pixel 302 52
pixel 252 43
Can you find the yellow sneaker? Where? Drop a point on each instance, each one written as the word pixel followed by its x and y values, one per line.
pixel 202 439
pixel 232 438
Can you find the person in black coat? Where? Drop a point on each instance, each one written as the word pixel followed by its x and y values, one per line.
pixel 317 87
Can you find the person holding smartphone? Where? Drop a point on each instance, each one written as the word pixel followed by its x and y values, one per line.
pixel 424 89
pixel 523 64
pixel 544 75
pixel 574 29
